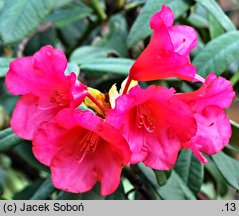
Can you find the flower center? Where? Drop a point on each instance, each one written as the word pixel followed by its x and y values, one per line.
pixel 144 118
pixel 60 98
pixel 88 144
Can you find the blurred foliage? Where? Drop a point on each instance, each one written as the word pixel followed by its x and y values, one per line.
pixel 101 40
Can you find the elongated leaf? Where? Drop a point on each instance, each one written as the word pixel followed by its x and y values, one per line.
pixel 117 36
pixel 44 191
pixel 174 189
pixel 65 17
pixel 190 170
pixel 89 53
pixel 4 65
pixel 221 185
pixel 119 194
pixel 19 18
pixel 228 167
pixel 141 29
pixel 110 65
pixel 215 28
pixel 8 140
pixel 72 67
pixel 218 54
pixel 214 9
pixel 62 195
pixel 162 176
pixel 25 152
pixel 28 191
pixel 234 138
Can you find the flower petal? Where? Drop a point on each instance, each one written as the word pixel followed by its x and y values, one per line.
pixel 214 130
pixel 81 177
pixel 214 91
pixel 59 144
pixel 163 111
pixel 163 150
pixel 37 74
pixel 184 39
pixel 165 16
pixel 27 116
pixel 167 54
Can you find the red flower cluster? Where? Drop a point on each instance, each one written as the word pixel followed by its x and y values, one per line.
pixel 143 125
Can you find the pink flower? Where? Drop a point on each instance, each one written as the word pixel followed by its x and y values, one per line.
pixel 45 89
pixel 81 149
pixel 213 125
pixel 167 54
pixel 154 123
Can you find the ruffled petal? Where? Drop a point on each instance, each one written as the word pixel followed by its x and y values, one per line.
pixel 50 62
pixel 214 91
pixel 103 165
pixel 43 150
pixel 214 130
pixel 167 54
pixel 37 74
pixel 184 39
pixel 161 131
pixel 27 116
pixel 163 149
pixel 165 16
pixel 61 144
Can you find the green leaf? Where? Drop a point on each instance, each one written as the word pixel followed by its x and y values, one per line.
pixel 28 191
pixel 25 152
pixel 19 18
pixel 110 65
pixel 235 137
pixel 214 9
pixel 93 194
pixel 62 195
pixel 117 35
pixel 176 189
pixel 215 28
pixel 221 185
pixel 190 170
pixel 218 54
pixel 72 67
pixel 8 140
pixel 141 28
pixel 162 176
pixel 88 53
pixel 228 167
pixel 67 16
pixel 4 65
pixel 119 194
pixel 44 191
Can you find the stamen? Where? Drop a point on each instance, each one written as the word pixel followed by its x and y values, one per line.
pixel 143 118
pixel 60 98
pixel 88 144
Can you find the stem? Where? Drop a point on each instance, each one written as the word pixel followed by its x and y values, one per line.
pixel 96 5
pixel 137 182
pixel 235 78
pixel 25 40
pixel 96 102
pixel 127 85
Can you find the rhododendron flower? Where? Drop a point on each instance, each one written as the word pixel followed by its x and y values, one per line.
pixel 167 54
pixel 81 149
pixel 154 123
pixel 45 88
pixel 213 125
